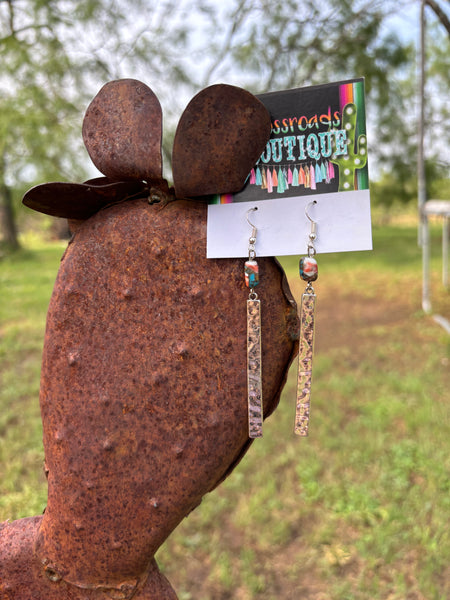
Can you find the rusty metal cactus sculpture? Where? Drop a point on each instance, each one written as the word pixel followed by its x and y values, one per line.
pixel 143 384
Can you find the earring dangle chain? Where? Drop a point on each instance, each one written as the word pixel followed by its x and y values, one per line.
pixel 308 272
pixel 254 377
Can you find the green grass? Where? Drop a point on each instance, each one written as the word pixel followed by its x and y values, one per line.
pixel 359 510
pixel 26 281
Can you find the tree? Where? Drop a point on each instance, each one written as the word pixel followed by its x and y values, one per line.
pixel 55 55
pixel 282 44
pixel 437 114
pixel 279 44
pixel 397 178
pixel 37 106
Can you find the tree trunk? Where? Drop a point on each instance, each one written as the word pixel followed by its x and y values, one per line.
pixel 7 220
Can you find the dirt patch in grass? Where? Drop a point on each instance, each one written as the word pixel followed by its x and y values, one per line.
pixel 344 320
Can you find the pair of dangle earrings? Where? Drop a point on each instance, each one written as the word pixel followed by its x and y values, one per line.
pixel 308 272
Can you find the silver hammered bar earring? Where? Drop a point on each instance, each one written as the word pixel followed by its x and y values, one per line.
pixel 308 272
pixel 254 379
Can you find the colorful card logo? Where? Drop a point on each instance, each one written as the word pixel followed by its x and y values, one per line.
pixel 318 144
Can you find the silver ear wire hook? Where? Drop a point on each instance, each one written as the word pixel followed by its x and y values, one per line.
pixel 306 210
pixel 313 232
pixel 250 223
pixel 252 240
pixel 313 223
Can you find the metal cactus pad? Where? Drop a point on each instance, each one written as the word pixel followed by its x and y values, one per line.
pixel 143 397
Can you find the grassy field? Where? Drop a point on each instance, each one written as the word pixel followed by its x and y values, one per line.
pixel 359 510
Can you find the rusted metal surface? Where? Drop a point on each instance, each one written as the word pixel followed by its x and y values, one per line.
pixel 80 200
pixel 143 392
pixel 22 576
pixel 122 131
pixel 220 136
pixel 144 381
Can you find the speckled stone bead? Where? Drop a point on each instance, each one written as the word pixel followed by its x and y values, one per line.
pixel 308 268
pixel 251 272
